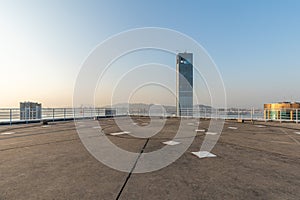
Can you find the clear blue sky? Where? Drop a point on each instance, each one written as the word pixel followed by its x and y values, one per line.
pixel 255 44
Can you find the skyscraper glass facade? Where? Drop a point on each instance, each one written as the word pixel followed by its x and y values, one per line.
pixel 184 68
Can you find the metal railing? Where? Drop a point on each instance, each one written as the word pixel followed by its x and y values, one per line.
pixel 287 115
pixel 12 115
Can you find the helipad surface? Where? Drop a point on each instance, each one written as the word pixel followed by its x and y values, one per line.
pixel 254 161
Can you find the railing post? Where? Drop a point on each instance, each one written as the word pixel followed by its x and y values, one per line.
pixel 266 115
pixel 10 116
pixel 53 112
pixel 74 114
pixel 41 114
pixel 296 116
pixel 27 115
pixel 216 114
pixel 280 111
pixel 64 114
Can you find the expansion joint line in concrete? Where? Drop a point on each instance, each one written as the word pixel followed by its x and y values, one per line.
pixel 297 142
pixel 132 169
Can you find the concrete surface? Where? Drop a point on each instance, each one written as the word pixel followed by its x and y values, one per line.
pixel 51 163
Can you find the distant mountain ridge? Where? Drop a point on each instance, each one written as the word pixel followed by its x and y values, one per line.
pixel 135 107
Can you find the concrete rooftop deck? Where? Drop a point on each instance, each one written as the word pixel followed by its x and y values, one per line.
pixel 253 162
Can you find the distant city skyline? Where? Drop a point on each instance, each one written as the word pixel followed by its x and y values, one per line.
pixel 255 44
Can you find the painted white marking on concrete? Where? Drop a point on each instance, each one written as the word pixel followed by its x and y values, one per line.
pixel 260 126
pixel 96 127
pixel 232 127
pixel 211 133
pixel 45 126
pixel 120 133
pixel 280 142
pixel 134 123
pixel 204 154
pixel 7 133
pixel 290 136
pixel 17 142
pixel 171 142
pixel 298 133
pixel 200 130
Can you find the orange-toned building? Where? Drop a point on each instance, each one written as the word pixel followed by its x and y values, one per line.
pixel 282 110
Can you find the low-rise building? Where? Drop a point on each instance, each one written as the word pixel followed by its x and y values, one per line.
pixel 30 110
pixel 282 111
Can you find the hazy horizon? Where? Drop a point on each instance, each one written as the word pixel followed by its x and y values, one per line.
pixel 43 44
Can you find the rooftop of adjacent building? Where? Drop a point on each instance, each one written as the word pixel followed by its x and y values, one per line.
pixel 282 105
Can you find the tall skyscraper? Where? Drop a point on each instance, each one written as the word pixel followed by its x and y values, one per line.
pixel 184 84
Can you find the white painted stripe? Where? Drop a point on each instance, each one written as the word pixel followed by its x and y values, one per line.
pixel 120 133
pixel 260 126
pixel 171 142
pixel 290 136
pixel 204 154
pixel 211 133
pixel 200 130
pixel 280 142
pixel 233 128
pixel 45 126
pixel 297 133
pixel 8 133
pixel 11 143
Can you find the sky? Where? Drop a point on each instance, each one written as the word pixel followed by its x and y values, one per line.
pixel 255 45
